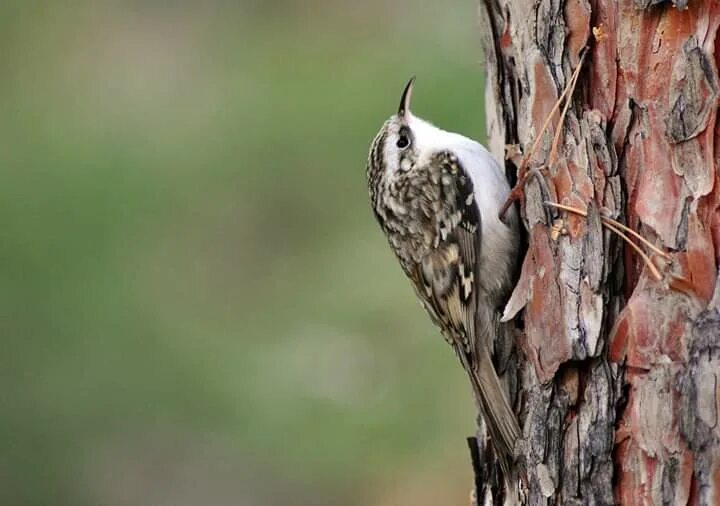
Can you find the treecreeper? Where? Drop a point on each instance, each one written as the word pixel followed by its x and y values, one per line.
pixel 437 196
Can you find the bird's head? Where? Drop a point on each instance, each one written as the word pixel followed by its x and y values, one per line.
pixel 395 147
pixel 403 142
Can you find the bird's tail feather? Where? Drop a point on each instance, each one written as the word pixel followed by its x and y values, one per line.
pixel 499 417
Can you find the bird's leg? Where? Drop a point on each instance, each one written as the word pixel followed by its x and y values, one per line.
pixel 623 231
pixel 519 188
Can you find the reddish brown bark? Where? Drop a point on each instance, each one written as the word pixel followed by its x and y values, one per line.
pixel 618 380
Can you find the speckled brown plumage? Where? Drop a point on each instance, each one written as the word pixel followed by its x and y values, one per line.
pixel 426 203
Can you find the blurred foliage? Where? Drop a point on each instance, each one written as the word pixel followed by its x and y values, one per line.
pixel 197 306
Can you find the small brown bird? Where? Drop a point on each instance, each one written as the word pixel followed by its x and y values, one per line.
pixel 436 195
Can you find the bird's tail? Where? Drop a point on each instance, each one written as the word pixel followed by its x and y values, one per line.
pixel 492 401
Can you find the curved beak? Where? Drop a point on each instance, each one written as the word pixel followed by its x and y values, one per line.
pixel 405 98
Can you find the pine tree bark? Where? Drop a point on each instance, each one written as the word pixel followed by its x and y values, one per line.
pixel 616 375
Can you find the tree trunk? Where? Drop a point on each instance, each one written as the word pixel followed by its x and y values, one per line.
pixel 616 376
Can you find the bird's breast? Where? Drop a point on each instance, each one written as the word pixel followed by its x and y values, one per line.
pixel 408 213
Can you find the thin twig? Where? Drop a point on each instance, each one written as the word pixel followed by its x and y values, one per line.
pixel 522 173
pixel 618 229
pixel 656 274
pixel 558 132
pixel 568 87
pixel 619 225
pixel 637 236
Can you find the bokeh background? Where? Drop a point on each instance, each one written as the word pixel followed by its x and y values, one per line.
pixel 196 304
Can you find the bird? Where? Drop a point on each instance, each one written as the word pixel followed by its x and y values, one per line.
pixel 437 195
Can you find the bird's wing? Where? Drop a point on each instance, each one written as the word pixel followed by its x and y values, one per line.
pixel 446 277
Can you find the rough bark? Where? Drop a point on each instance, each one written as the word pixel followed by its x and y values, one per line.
pixel 616 374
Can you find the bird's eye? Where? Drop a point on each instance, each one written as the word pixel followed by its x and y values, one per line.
pixel 403 142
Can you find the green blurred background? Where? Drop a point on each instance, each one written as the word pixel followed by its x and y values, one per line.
pixel 196 304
